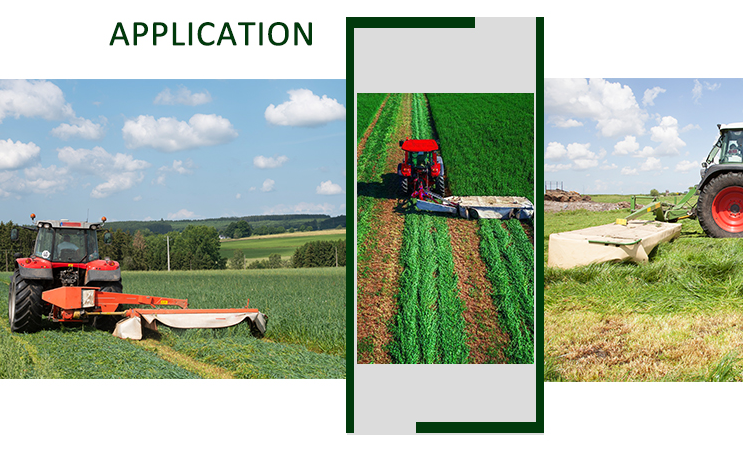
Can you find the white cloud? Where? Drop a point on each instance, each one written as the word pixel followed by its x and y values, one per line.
pixel 46 180
pixel 300 208
pixel 667 133
pixel 689 127
pixel 120 171
pixel 328 188
pixel 555 151
pixel 608 167
pixel 33 99
pixel 81 128
pixel 562 122
pixel 176 167
pixel 181 215
pixel 183 96
pixel 305 109
pixel 268 185
pixel 651 164
pixel 611 105
pixel 269 162
pixel 238 196
pixel 629 171
pixel 582 157
pixel 556 167
pixel 137 198
pixel 252 189
pixel 627 146
pixel 15 155
pixel 169 134
pixel 686 166
pixel 650 94
pixel 696 91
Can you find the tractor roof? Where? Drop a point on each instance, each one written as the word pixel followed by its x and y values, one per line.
pixel 737 125
pixel 420 145
pixel 66 224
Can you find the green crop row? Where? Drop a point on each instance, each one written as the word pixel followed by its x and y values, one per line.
pixel 421 119
pixel 487 142
pixel 429 326
pixel 511 276
pixel 367 106
pixel 371 165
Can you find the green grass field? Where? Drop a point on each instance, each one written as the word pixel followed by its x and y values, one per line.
pixel 260 247
pixel 676 318
pixel 305 337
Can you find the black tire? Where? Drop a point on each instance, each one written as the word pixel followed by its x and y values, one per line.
pixel 405 185
pixel 106 323
pixel 440 189
pixel 25 306
pixel 729 206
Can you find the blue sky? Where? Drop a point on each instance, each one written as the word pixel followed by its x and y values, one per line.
pixel 634 135
pixel 172 149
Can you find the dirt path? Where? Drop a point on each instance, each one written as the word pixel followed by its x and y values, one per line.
pixel 379 272
pixel 487 341
pixel 370 128
pixel 170 355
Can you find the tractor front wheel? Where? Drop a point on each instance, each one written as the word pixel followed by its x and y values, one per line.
pixel 720 206
pixel 440 188
pixel 405 185
pixel 25 305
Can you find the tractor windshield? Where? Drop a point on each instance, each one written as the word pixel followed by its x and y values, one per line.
pixel 67 245
pixel 732 147
pixel 421 158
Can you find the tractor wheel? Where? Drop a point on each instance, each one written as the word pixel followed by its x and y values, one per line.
pixel 106 323
pixel 720 206
pixel 439 189
pixel 24 304
pixel 405 185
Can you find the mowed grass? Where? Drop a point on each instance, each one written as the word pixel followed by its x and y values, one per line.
pixel 306 337
pixel 675 318
pixel 260 247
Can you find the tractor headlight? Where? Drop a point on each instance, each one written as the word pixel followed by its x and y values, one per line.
pixel 88 298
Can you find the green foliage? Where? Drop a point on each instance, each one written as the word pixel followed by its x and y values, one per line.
pixel 238 260
pixel 429 326
pixel 654 192
pixel 320 254
pixel 421 120
pixel 367 106
pixel 238 229
pixel 487 142
pixel 285 245
pixel 510 273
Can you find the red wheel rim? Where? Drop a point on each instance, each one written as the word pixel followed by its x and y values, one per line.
pixel 727 209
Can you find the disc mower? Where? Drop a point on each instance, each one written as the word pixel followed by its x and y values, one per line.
pixel 66 281
pixel 421 177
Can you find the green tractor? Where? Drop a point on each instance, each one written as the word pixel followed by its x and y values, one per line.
pixel 720 205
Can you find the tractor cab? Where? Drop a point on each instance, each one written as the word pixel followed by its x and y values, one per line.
pixel 729 146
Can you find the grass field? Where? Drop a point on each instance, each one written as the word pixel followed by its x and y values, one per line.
pixel 305 337
pixel 261 246
pixel 676 318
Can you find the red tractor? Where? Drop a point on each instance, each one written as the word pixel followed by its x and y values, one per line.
pixel 65 255
pixel 422 168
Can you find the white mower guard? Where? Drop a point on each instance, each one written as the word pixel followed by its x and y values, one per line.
pixel 131 328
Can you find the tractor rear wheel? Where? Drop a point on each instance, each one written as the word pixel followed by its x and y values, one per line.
pixel 439 189
pixel 24 304
pixel 720 206
pixel 107 323
pixel 405 185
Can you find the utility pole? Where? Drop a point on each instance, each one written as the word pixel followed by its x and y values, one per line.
pixel 167 239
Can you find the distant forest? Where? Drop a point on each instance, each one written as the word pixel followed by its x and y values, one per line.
pixel 287 222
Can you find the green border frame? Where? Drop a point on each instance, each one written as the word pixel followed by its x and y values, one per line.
pixel 352 23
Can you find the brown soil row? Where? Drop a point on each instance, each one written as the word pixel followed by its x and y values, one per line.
pixel 379 271
pixel 487 341
pixel 370 128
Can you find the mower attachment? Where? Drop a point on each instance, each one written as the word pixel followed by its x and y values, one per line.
pixel 78 304
pixel 495 207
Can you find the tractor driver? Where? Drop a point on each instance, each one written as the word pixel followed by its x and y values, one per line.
pixel 66 244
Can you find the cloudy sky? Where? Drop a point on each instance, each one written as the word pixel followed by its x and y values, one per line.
pixel 152 149
pixel 634 135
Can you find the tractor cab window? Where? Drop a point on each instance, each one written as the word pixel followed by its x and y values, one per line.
pixel 67 245
pixel 420 158
pixel 44 242
pixel 732 147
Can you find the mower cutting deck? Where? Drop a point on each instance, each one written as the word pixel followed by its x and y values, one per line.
pixel 495 207
pixel 79 304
